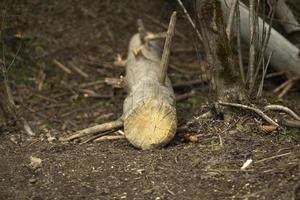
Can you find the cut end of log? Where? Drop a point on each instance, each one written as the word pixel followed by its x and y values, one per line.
pixel 150 125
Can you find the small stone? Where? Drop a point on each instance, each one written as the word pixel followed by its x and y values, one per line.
pixel 35 162
pixel 32 180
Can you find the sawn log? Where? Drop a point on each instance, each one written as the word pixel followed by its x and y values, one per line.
pixel 149 113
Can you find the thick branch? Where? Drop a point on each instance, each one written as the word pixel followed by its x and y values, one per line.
pixel 285 54
pixel 287 19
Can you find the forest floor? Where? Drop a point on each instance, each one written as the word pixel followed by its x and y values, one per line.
pixel 89 34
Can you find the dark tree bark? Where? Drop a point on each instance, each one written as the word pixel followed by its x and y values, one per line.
pixel 226 83
pixel 6 107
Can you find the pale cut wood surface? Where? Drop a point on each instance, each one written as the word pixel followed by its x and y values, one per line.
pixel 149 112
pixel 285 55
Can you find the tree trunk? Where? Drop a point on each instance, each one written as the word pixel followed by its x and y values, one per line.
pixel 149 112
pixel 226 81
pixel 6 102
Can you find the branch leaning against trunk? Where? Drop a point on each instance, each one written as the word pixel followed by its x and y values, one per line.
pixel 287 19
pixel 164 63
pixel 285 55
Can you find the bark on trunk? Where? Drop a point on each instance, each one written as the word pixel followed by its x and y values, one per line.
pixel 285 55
pixel 6 102
pixel 226 78
pixel 149 112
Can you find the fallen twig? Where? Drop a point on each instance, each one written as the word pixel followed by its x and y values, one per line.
pixel 227 170
pixel 208 114
pixel 286 84
pixel 185 96
pixel 62 67
pixel 115 82
pixel 256 110
pixel 117 124
pixel 94 137
pixel 93 83
pixel 274 74
pixel 273 157
pixel 78 70
pixel 285 89
pixel 109 137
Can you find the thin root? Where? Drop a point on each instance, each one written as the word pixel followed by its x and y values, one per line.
pixel 256 110
pixel 283 109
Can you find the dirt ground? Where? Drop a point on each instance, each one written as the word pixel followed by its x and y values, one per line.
pixel 89 34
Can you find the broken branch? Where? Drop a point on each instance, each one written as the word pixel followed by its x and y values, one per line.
pixel 166 52
pixel 113 125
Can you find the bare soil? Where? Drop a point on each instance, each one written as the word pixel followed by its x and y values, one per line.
pixel 90 34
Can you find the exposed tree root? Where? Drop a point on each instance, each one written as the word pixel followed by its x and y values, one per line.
pixel 283 109
pixel 256 110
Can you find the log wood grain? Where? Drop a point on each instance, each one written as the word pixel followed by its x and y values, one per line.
pixel 149 112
